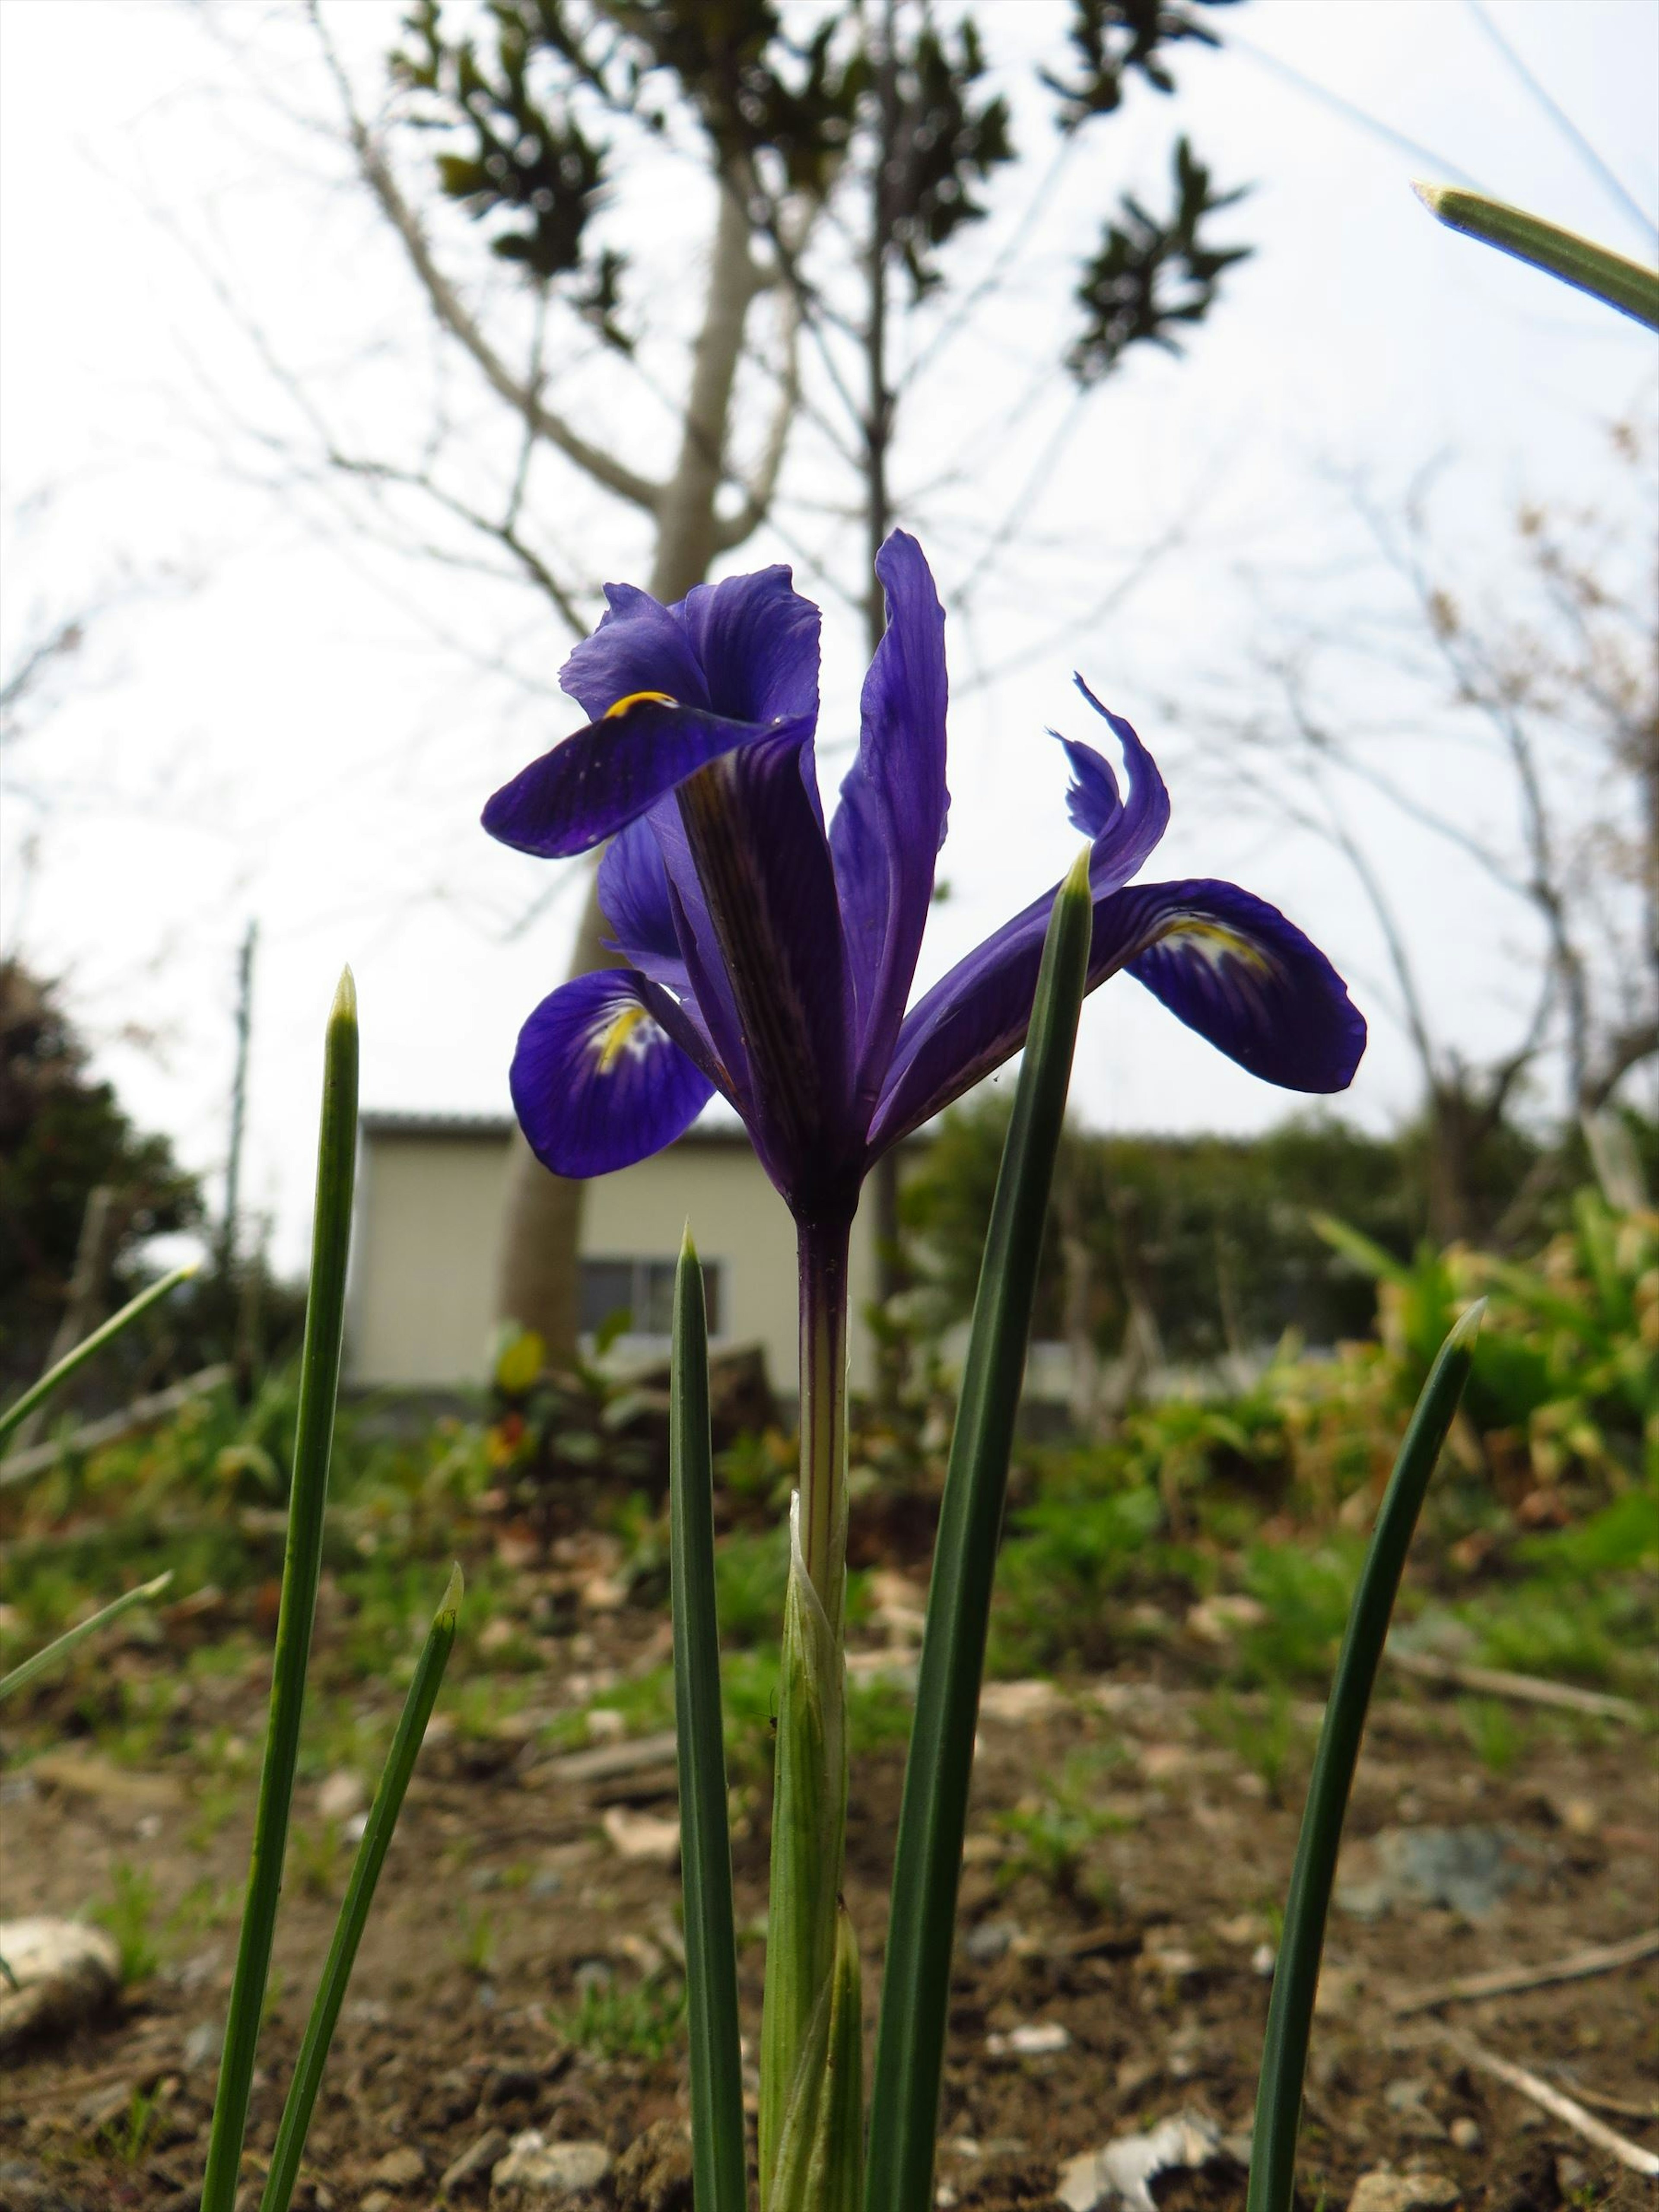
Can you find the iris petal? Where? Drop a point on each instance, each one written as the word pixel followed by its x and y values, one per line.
pixel 598 1083
pixel 603 777
pixel 754 834
pixel 890 822
pixel 756 642
pixel 640 645
pixel 634 899
pixel 1123 832
pixel 1225 962
pixel 1232 968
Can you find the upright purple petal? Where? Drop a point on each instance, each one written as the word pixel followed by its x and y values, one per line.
pixel 711 995
pixel 1122 832
pixel 599 780
pixel 890 823
pixel 640 645
pixel 598 1083
pixel 635 900
pixel 756 642
pixel 754 833
pixel 1225 962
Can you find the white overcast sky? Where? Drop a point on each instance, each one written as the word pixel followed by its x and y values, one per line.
pixel 276 718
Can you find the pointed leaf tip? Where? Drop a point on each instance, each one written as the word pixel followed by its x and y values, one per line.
pixel 687 1248
pixel 1429 194
pixel 344 1008
pixel 454 1589
pixel 1465 1329
pixel 1076 885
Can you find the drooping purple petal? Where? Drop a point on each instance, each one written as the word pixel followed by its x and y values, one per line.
pixel 603 777
pixel 1123 831
pixel 756 642
pixel 1232 968
pixel 763 863
pixel 1225 962
pixel 890 823
pixel 598 1083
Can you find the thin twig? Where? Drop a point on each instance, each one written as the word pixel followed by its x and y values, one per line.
pixel 1529 1689
pixel 1578 1965
pixel 1563 2108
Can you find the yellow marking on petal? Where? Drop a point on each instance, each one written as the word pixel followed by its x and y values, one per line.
pixel 634 698
pixel 1213 942
pixel 616 1036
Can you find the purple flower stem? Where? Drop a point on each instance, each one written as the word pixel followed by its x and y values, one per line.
pixel 822 1246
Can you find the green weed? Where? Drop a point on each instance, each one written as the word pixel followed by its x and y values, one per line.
pixel 475 1946
pixel 314 1857
pixel 1053 1835
pixel 1494 1734
pixel 643 2022
pixel 1265 1735
pixel 128 1914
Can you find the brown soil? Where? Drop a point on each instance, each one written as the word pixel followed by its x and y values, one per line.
pixel 503 1898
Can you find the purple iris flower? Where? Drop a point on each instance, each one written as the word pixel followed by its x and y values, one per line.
pixel 770 955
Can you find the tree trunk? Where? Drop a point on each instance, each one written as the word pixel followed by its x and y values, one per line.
pixel 541 1233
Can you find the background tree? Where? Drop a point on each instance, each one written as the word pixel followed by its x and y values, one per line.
pixel 1516 730
pixel 64 1137
pixel 848 149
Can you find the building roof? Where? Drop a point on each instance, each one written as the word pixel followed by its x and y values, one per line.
pixel 496 1129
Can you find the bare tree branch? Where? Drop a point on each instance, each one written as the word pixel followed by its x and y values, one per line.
pixel 761 488
pixel 451 311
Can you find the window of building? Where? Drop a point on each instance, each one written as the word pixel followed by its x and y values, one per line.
pixel 643 1291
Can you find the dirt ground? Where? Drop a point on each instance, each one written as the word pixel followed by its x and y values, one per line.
pixel 514 1945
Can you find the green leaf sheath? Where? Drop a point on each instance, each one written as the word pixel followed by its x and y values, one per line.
pixel 1295 1976
pixel 320 1377
pixel 809 1823
pixel 55 1378
pixel 55 1653
pixel 820 2159
pixel 809 1801
pixel 915 1989
pixel 1625 285
pixel 711 1966
pixel 358 1897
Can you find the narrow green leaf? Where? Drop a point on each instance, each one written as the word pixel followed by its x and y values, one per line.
pixel 360 1896
pixel 915 1989
pixel 1295 1976
pixel 320 1378
pixel 1625 285
pixel 55 1653
pixel 711 1960
pixel 55 1378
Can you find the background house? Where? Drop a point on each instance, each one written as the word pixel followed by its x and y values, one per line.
pixel 429 1204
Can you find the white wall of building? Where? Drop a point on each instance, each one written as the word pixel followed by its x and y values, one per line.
pixel 430 1197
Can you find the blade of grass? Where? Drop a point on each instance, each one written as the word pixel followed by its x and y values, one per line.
pixel 320 1377
pixel 1609 278
pixel 711 1966
pixel 915 1989
pixel 55 1653
pixel 360 1896
pixel 1295 1976
pixel 90 1346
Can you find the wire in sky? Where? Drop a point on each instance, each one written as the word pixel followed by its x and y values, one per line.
pixel 1438 165
pixel 1565 123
